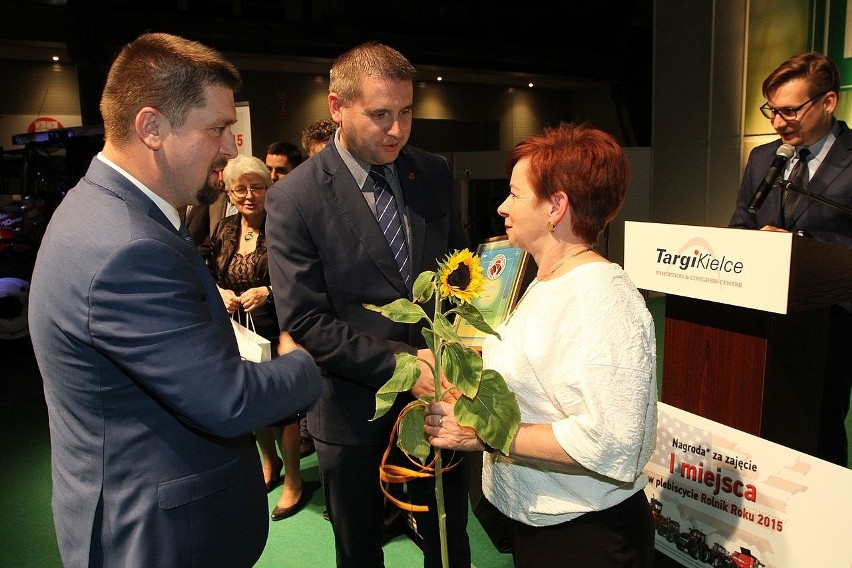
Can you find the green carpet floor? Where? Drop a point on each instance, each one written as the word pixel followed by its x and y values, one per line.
pixel 306 539
pixel 26 528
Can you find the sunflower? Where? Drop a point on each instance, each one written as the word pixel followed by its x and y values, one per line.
pixel 460 277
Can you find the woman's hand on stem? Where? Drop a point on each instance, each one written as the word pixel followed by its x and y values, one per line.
pixel 445 433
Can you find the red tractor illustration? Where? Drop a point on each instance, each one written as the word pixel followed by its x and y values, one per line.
pixel 693 543
pixel 670 530
pixel 657 511
pixel 665 527
pixel 718 557
pixel 744 559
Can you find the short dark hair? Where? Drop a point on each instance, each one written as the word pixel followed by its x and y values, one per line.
pixel 587 164
pixel 369 59
pixel 820 72
pixel 281 148
pixel 320 131
pixel 165 72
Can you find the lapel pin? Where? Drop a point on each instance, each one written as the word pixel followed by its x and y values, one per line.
pixel 411 176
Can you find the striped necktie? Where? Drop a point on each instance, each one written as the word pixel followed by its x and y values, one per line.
pixel 799 179
pixel 390 221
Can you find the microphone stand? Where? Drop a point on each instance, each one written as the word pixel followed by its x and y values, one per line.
pixel 789 186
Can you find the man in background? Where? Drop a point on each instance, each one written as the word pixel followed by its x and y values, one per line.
pixel 316 135
pixel 328 255
pixel 151 409
pixel 801 99
pixel 281 158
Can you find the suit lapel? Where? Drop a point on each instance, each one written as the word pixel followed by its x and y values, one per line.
pixel 412 193
pixel 360 220
pixel 836 161
pixel 141 207
pixel 110 180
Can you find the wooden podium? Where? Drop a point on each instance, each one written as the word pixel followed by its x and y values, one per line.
pixel 746 322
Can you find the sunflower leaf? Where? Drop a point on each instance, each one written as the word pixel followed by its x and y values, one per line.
pixel 384 402
pixel 429 336
pixel 494 413
pixel 444 329
pixel 412 439
pixel 463 367
pixel 473 316
pixel 400 311
pixel 424 287
pixel 405 375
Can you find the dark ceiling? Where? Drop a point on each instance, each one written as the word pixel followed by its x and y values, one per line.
pixel 605 40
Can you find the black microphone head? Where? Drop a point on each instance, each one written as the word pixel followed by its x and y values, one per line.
pixel 782 156
pixel 786 151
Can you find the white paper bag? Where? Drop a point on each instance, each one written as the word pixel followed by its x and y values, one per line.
pixel 253 347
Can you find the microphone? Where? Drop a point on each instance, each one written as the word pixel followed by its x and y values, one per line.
pixel 782 155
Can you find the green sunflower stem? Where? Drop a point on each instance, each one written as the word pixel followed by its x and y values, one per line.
pixel 442 513
pixel 439 481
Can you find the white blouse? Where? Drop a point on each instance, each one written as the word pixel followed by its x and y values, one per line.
pixel 579 352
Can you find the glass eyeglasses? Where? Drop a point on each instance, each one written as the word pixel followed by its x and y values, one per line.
pixel 787 113
pixel 241 191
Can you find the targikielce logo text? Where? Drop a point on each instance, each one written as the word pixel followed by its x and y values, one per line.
pixel 696 260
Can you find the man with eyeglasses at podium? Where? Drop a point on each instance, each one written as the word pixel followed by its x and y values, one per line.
pixel 801 99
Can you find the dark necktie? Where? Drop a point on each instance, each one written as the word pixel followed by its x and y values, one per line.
pixel 799 178
pixel 390 221
pixel 184 233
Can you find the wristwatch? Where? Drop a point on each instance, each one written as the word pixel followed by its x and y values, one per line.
pixel 269 294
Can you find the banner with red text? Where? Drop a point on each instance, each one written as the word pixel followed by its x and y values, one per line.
pixel 724 498
pixel 242 129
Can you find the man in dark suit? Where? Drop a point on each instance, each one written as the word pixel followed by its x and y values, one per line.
pixel 801 99
pixel 328 256
pixel 150 406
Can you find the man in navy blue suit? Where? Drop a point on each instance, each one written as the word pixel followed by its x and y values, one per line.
pixel 151 409
pixel 328 256
pixel 801 99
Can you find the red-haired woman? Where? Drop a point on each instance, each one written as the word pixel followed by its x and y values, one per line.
pixel 579 352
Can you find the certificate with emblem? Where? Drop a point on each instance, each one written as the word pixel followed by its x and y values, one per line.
pixel 506 271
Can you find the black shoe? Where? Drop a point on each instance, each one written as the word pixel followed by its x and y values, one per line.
pixel 280 513
pixel 276 479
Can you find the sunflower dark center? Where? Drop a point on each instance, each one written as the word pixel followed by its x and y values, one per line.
pixel 460 277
